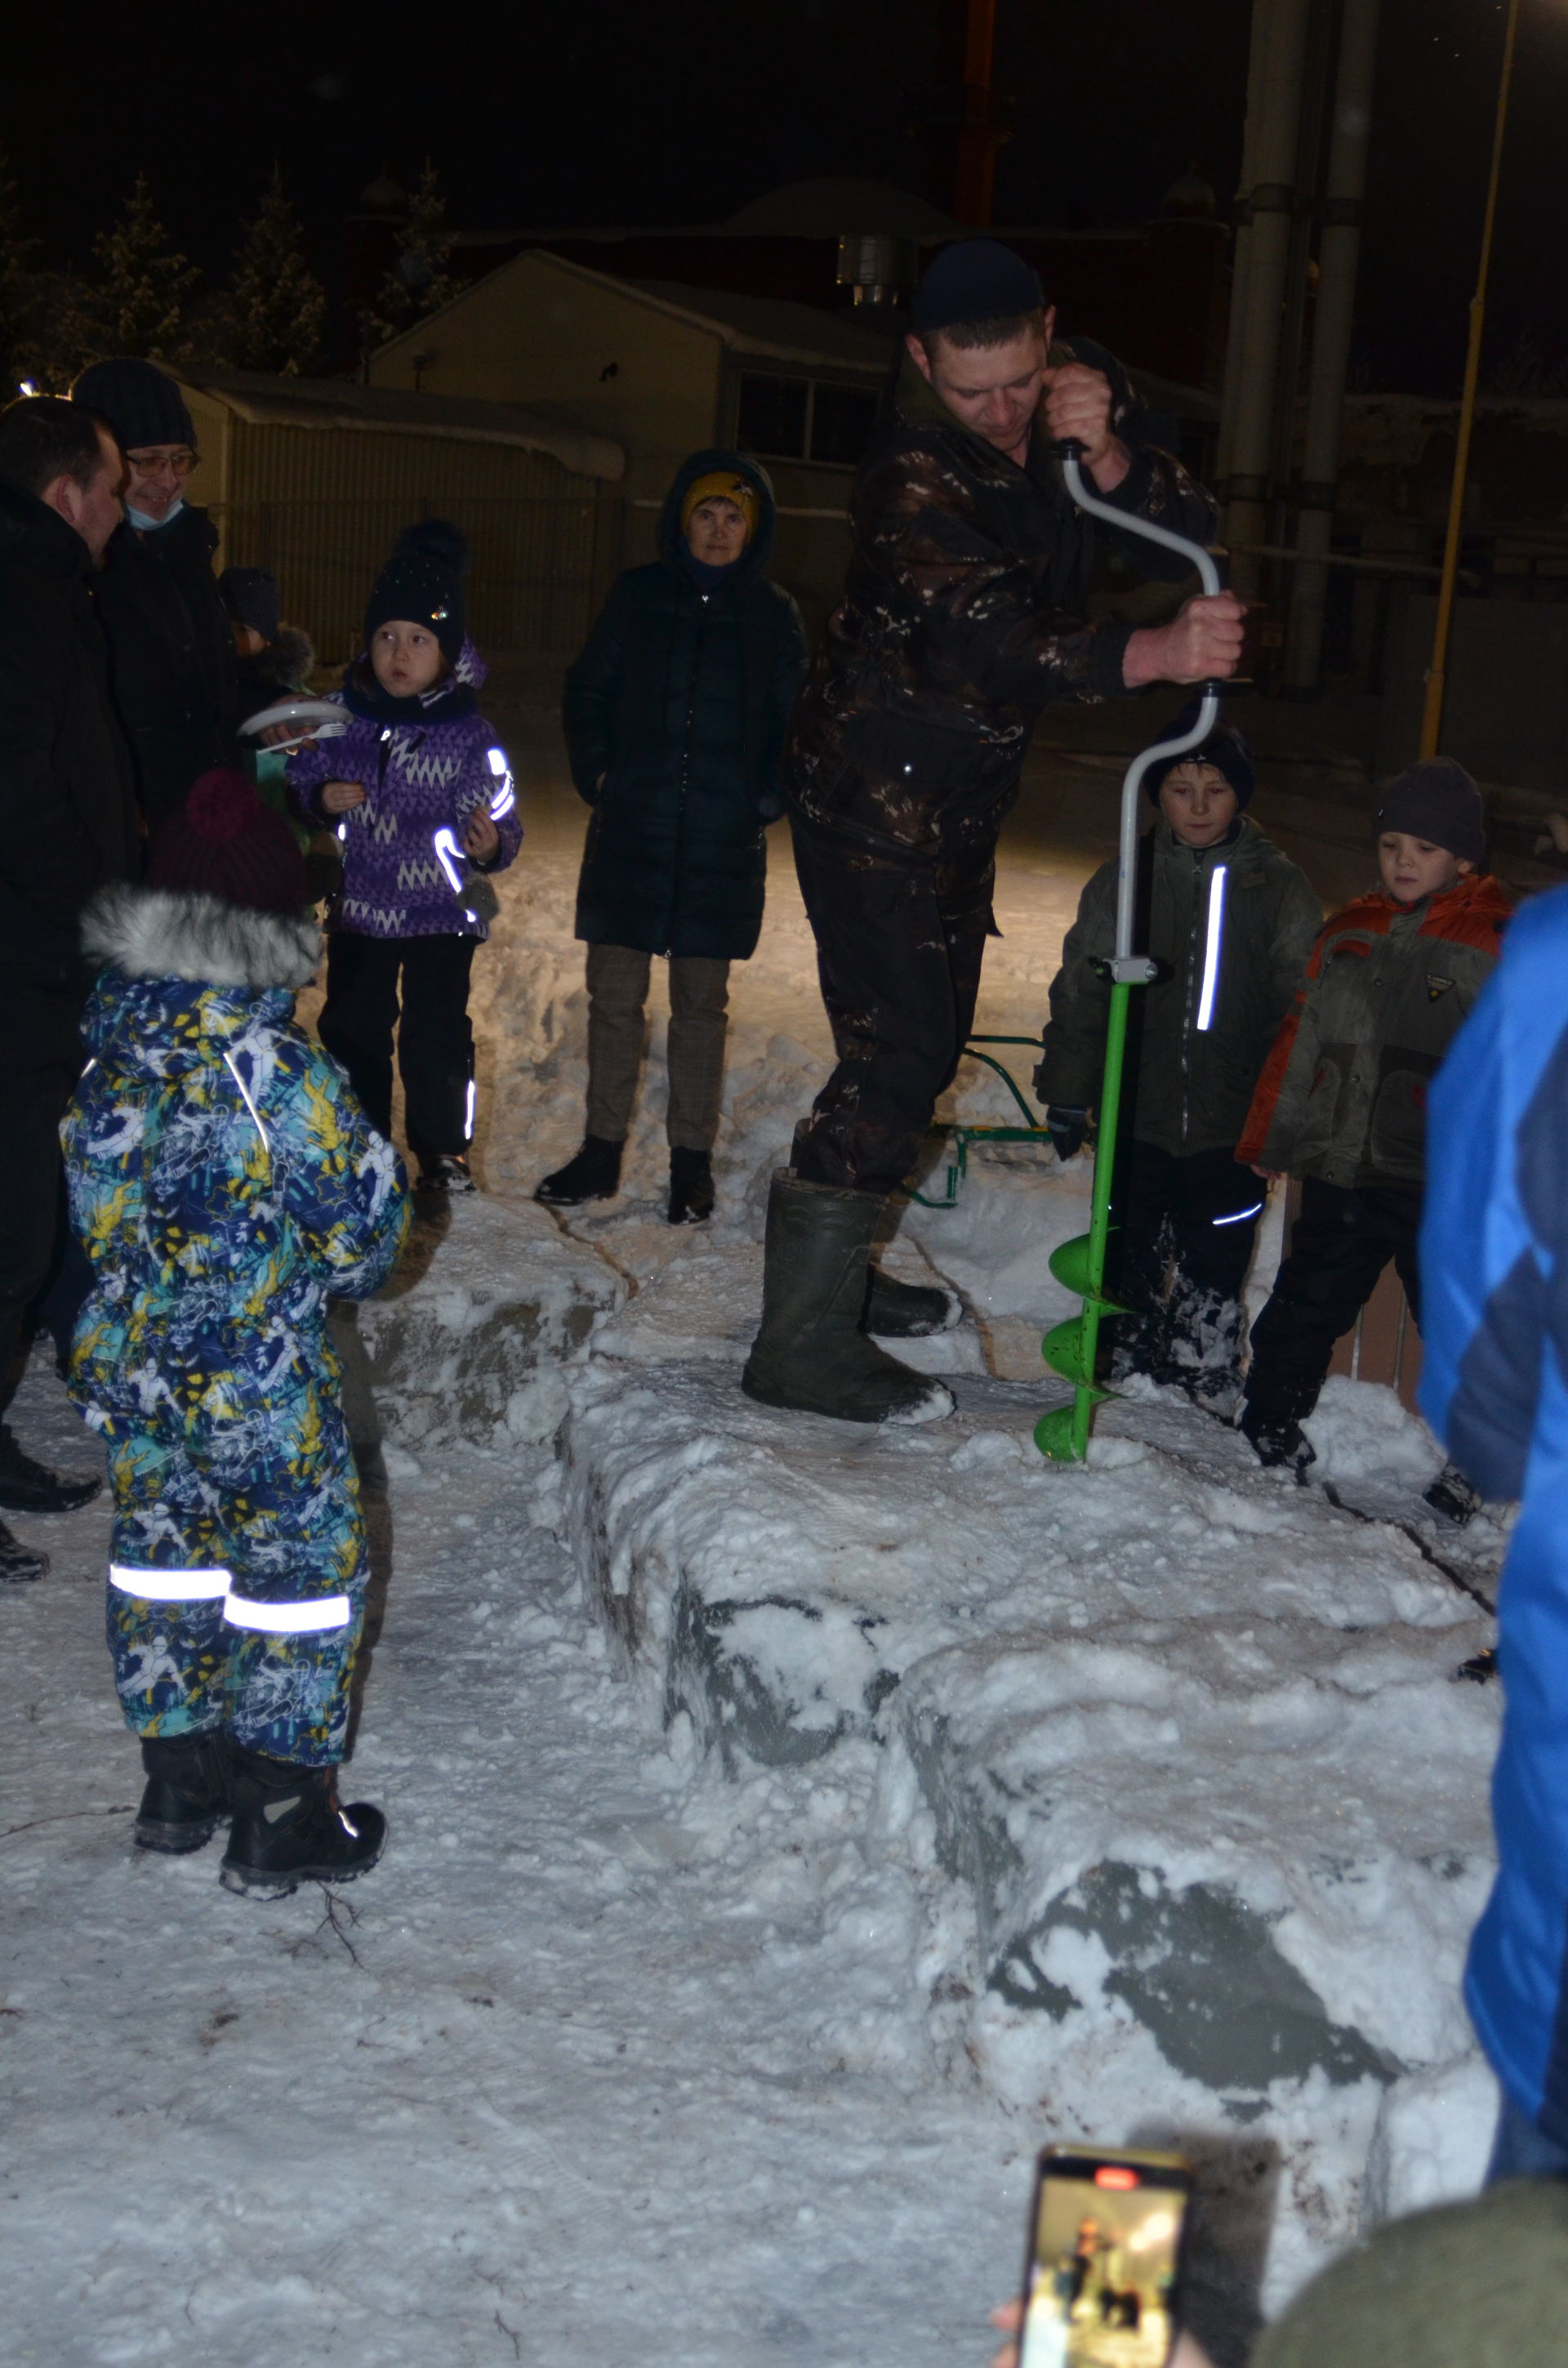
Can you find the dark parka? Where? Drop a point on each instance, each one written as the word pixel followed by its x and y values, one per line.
pixel 172 657
pixel 1191 1088
pixel 67 821
pixel 962 618
pixel 1342 1094
pixel 675 716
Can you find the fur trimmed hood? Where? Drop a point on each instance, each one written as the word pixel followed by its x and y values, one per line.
pixel 183 934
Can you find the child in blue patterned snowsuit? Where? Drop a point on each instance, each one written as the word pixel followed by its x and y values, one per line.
pixel 423 801
pixel 225 1184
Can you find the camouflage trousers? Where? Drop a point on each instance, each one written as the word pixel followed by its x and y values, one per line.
pixel 899 953
pixel 237 1602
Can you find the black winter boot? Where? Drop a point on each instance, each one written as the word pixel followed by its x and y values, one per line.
pixel 26 1486
pixel 593 1174
pixel 811 1354
pixel 187 1792
pixel 907 1311
pixel 19 1563
pixel 691 1187
pixel 290 1829
pixel 1452 1496
pixel 1276 1439
pixel 447 1172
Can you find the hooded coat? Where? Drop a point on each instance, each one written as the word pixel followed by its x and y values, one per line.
pixel 1342 1094
pixel 67 816
pixel 675 717
pixel 222 1180
pixel 172 659
pixel 1494 1388
pixel 426 764
pixel 1192 1085
pixel 963 617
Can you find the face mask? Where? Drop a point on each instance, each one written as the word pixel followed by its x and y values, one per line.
pixel 150 526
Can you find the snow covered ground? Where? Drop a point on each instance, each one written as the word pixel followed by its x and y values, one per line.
pixel 792 1827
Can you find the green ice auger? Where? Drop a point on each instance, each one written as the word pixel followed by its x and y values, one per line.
pixel 1072 1348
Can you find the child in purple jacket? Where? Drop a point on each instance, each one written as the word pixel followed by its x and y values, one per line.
pixel 424 804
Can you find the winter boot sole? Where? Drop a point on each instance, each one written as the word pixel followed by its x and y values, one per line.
pixel 175 1840
pixel 934 1403
pixel 277 1883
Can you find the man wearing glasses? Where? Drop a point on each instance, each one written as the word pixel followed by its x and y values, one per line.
pixel 172 650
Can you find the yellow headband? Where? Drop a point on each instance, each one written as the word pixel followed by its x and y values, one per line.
pixel 720 484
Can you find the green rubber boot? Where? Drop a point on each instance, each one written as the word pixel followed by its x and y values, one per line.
pixel 810 1355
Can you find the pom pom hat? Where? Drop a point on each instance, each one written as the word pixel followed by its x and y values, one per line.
pixel 224 842
pixel 422 583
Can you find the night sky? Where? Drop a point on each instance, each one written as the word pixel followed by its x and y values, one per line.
pixel 599 112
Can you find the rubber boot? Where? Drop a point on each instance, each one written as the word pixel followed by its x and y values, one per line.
pixel 811 1354
pixel 290 1829
pixel 592 1174
pixel 691 1187
pixel 907 1311
pixel 187 1795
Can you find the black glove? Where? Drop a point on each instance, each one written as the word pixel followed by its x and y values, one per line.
pixel 1069 1129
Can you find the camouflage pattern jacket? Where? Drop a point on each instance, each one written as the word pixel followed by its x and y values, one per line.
pixel 223 1179
pixel 1342 1094
pixel 961 618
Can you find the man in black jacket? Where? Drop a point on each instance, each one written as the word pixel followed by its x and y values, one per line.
pixel 67 824
pixel 963 617
pixel 174 667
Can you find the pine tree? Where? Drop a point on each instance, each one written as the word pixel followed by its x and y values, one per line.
pixel 275 308
pixel 419 281
pixel 146 285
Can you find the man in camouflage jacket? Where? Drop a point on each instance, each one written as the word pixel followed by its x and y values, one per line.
pixel 961 619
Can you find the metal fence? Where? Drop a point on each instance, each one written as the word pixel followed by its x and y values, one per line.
pixel 540 564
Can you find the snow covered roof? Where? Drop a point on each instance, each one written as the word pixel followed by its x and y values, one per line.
pixel 266 401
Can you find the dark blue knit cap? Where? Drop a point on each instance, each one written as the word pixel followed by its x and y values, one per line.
pixel 977 279
pixel 1224 750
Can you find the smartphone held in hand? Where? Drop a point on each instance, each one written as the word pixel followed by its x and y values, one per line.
pixel 1103 2271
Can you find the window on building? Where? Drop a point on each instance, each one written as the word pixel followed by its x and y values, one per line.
pixel 772 417
pixel 842 419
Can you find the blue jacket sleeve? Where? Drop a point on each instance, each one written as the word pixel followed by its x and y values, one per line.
pixel 588 703
pixel 1482 1286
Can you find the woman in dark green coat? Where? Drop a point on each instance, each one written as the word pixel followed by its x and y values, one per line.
pixel 675 716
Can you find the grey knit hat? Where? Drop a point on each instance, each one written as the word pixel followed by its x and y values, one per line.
pixel 142 404
pixel 1470 2285
pixel 1437 799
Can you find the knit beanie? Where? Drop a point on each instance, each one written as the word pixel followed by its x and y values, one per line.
pixel 1224 750
pixel 1437 799
pixel 250 596
pixel 721 484
pixel 142 404
pixel 1470 2285
pixel 422 583
pixel 977 279
pixel 226 843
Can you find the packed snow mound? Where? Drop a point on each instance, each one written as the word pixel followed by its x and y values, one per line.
pixel 1180 1736
pixel 1360 1430
pixel 466 1340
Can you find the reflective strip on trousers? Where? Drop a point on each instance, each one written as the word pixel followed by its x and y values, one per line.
pixel 169 1585
pixel 289 1619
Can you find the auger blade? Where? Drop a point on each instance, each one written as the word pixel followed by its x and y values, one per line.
pixel 1065 1350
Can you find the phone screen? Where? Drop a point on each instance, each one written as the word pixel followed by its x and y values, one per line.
pixel 1103 2257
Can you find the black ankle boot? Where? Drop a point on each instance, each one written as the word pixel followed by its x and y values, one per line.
pixel 593 1174
pixel 187 1792
pixel 20 1563
pixel 691 1187
pixel 290 1829
pixel 27 1486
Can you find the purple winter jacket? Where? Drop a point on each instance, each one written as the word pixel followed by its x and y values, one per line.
pixel 420 779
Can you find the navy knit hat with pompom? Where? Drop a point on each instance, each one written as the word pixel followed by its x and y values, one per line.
pixel 422 583
pixel 225 842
